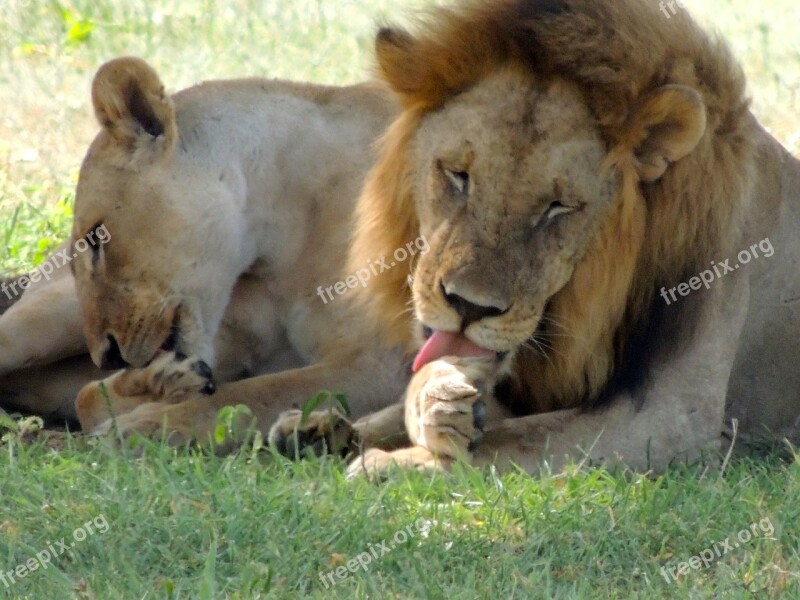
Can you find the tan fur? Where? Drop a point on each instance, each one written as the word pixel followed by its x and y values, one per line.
pixel 610 153
pixel 44 360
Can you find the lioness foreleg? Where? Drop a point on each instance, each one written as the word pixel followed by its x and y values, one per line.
pixel 169 379
pixel 369 386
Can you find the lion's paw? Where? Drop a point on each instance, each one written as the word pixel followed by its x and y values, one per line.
pixel 377 464
pixel 444 410
pixel 322 432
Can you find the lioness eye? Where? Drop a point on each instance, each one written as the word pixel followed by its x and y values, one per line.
pixel 95 237
pixel 459 180
pixel 556 208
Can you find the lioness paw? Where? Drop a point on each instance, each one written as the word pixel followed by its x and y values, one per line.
pixel 444 410
pixel 322 432
pixel 168 379
pixel 172 376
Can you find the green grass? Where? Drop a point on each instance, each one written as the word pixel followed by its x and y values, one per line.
pixel 256 526
pixel 186 525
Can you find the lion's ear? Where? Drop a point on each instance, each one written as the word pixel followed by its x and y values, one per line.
pixel 131 105
pixel 419 71
pixel 666 127
pixel 394 49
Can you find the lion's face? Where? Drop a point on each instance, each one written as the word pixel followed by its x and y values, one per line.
pixel 536 176
pixel 510 192
pixel 159 276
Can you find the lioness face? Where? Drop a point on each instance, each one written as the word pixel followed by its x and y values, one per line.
pixel 510 192
pixel 158 278
pixel 160 275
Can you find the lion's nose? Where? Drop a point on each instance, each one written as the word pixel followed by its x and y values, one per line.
pixel 112 357
pixel 471 308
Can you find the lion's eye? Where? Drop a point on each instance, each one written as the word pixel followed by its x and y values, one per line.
pixel 459 180
pixel 557 209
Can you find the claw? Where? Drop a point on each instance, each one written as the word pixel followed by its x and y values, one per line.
pixel 202 369
pixel 479 415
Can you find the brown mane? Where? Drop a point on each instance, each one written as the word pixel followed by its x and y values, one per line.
pixel 617 52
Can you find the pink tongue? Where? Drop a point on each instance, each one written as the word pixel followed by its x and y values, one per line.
pixel 444 343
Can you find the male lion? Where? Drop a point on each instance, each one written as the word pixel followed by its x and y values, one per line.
pixel 572 163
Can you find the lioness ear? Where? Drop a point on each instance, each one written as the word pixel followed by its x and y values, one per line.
pixel 131 105
pixel 666 127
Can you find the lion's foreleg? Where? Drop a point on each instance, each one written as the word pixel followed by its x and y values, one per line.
pixel 446 410
pixel 675 414
pixel 618 434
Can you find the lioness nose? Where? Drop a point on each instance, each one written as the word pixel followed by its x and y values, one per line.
pixel 472 310
pixel 112 357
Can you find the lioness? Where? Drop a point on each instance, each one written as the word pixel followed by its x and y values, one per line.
pixel 225 207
